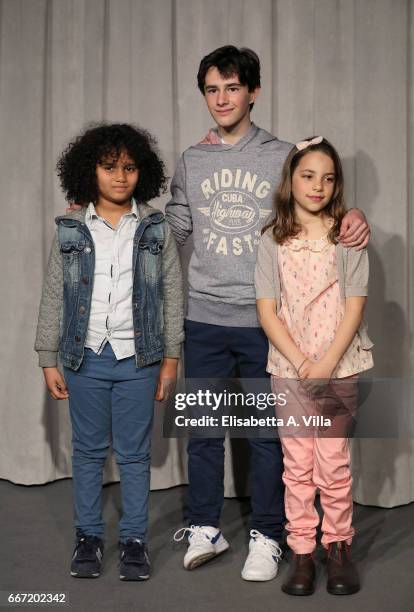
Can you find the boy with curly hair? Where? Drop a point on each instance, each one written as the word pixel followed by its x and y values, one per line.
pixel 112 311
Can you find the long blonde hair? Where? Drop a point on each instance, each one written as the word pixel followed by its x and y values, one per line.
pixel 284 223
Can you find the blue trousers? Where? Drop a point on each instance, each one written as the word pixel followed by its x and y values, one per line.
pixel 215 351
pixel 111 399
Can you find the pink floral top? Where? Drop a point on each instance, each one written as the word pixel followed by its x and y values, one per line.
pixel 312 308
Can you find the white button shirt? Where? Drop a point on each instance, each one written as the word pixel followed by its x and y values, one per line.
pixel 111 308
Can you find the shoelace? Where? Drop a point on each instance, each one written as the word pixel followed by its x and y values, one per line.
pixel 196 532
pixel 267 543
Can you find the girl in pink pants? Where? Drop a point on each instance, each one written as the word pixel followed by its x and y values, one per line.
pixel 311 292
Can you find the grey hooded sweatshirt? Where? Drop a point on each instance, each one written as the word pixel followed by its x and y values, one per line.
pixel 223 194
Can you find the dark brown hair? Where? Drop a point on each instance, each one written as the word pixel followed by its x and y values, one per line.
pixel 230 61
pixel 284 224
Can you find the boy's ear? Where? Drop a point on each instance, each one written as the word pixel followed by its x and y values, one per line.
pixel 254 94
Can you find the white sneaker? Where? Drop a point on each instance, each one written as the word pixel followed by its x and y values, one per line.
pixel 263 558
pixel 204 543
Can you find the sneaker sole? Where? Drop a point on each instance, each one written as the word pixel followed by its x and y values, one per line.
pixel 84 575
pixel 200 560
pixel 136 579
pixel 256 579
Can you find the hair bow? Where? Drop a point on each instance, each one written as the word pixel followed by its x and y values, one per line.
pixel 306 143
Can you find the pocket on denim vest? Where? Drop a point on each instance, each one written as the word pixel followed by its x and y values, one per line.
pixel 71 265
pixel 150 254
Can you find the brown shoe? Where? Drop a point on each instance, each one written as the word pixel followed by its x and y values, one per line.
pixel 301 577
pixel 342 575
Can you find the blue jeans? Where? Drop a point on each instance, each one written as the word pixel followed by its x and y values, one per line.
pixel 214 351
pixel 107 396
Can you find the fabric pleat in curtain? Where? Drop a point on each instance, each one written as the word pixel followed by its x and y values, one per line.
pixel 341 68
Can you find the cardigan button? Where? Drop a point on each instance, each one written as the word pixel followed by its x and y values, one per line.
pixel 77 338
pixel 85 280
pixel 137 333
pixel 82 310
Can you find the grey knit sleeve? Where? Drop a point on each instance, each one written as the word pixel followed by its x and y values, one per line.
pixel 356 273
pixel 177 210
pixel 173 290
pixel 51 303
pixel 264 271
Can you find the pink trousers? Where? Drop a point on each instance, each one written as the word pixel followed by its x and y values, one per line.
pixel 312 463
pixel 317 461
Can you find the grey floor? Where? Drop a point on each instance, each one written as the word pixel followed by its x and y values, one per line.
pixel 37 540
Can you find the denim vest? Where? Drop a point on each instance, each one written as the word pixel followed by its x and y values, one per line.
pixel 78 258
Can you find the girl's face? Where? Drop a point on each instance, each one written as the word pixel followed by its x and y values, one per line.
pixel 117 178
pixel 313 182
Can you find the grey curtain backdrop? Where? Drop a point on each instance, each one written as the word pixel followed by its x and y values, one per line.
pixel 341 68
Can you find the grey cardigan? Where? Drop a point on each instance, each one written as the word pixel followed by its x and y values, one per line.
pixel 353 273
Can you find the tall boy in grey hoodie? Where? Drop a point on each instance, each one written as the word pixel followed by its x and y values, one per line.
pixel 222 193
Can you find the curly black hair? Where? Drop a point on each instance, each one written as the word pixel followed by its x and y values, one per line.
pixel 76 166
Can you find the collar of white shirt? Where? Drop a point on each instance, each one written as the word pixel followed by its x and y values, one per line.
pixel 91 211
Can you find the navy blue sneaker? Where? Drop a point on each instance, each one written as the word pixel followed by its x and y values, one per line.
pixel 134 563
pixel 87 556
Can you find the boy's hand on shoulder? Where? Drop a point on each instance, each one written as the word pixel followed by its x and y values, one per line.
pixel 73 206
pixel 167 378
pixel 355 231
pixel 55 384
